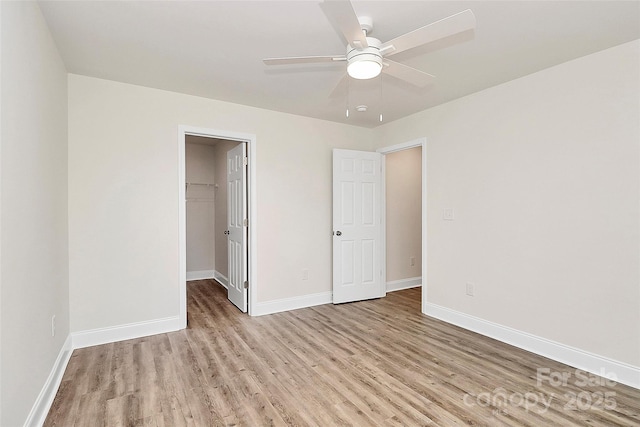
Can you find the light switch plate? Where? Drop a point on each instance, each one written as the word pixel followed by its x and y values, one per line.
pixel 470 289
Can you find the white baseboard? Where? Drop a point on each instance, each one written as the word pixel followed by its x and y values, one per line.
pixel 125 332
pixel 200 275
pixel 286 304
pixel 586 361
pixel 44 400
pixel 398 285
pixel 221 278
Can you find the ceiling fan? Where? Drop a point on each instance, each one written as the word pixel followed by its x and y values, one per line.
pixel 367 57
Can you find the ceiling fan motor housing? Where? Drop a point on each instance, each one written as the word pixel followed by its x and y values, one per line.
pixel 364 57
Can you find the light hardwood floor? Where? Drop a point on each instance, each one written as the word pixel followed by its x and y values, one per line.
pixel 378 362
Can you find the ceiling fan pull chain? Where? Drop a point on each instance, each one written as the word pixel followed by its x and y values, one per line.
pixel 347 97
pixel 380 100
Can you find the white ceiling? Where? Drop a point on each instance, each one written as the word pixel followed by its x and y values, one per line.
pixel 214 49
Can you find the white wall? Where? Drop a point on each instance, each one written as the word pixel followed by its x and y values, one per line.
pixel 200 210
pixel 543 174
pixel 123 198
pixel 34 249
pixel 403 186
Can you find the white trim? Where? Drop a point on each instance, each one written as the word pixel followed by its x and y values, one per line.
pixel 586 361
pixel 125 332
pixel 253 224
pixel 383 219
pixel 221 278
pixel 250 140
pixel 398 285
pixel 419 142
pixel 43 402
pixel 294 303
pixel 182 227
pixel 200 275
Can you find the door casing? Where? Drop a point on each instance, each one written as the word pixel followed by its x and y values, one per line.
pixel 250 139
pixel 419 142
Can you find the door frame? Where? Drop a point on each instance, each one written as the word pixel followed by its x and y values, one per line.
pixel 419 142
pixel 250 140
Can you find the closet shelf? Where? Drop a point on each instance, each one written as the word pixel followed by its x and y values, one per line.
pixel 202 184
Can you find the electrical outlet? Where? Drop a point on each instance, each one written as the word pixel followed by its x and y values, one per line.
pixel 53 325
pixel 305 274
pixel 412 261
pixel 470 289
pixel 448 214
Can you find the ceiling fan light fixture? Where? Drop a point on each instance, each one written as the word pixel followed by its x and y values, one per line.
pixel 365 66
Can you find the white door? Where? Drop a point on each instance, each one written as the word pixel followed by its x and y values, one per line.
pixel 357 228
pixel 237 225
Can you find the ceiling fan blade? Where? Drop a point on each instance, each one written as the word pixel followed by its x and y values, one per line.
pixel 303 60
pixel 345 20
pixel 446 27
pixel 408 74
pixel 340 90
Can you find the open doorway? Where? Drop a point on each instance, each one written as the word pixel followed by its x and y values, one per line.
pixel 206 209
pixel 405 219
pixel 359 239
pixel 199 186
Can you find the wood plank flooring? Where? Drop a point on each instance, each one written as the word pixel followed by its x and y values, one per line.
pixel 378 362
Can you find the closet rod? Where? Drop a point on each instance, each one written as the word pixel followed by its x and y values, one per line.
pixel 200 200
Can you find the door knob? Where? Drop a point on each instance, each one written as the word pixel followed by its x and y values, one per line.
pixel 226 232
pixel 338 233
